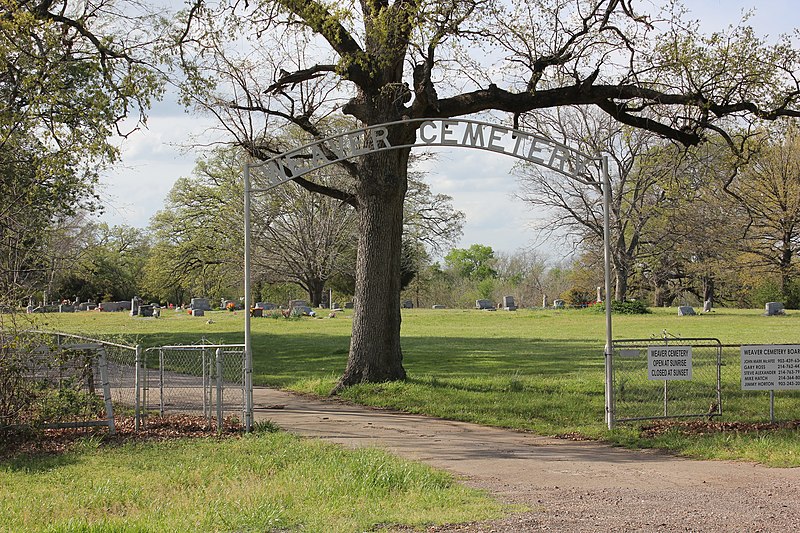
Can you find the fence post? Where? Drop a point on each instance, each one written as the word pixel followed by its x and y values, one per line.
pixel 219 390
pixel 137 386
pixel 772 406
pixel 102 362
pixel 206 385
pixel 161 382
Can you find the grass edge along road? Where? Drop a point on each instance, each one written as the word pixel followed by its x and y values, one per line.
pixel 260 482
pixel 532 370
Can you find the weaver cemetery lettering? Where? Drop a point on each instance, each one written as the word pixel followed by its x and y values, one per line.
pixel 432 132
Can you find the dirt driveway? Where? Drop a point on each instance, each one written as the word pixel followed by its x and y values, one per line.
pixel 567 485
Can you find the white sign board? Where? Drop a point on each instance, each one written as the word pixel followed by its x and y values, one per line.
pixel 771 367
pixel 667 363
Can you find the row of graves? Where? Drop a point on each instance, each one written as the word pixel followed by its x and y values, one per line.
pixel 770 309
pixel 487 305
pixel 67 306
pixel 295 308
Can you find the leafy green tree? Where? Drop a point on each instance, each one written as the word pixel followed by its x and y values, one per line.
pixel 197 237
pixel 475 262
pixel 69 78
pixel 768 189
pixel 110 267
pixel 381 61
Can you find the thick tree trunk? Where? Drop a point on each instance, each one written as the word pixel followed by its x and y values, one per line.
pixel 315 289
pixel 375 353
pixel 621 281
pixel 708 290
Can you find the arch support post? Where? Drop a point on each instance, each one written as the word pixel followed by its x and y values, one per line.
pixel 609 347
pixel 248 345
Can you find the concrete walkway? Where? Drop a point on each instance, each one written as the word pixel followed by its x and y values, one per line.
pixel 567 485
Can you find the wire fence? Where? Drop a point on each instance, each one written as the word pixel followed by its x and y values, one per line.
pixel 666 379
pixel 201 378
pixel 58 380
pixel 55 380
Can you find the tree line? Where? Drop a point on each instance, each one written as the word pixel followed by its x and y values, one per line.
pixel 688 226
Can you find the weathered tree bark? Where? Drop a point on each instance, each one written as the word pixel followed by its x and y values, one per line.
pixel 315 289
pixel 708 289
pixel 375 353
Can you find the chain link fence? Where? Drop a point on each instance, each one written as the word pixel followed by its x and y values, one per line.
pixel 203 378
pixel 666 379
pixel 56 380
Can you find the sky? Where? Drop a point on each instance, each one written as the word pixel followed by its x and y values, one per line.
pixel 480 183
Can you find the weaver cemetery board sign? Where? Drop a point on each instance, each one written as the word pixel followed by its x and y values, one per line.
pixel 668 363
pixel 771 367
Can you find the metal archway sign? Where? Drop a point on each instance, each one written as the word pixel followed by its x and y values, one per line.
pixel 431 132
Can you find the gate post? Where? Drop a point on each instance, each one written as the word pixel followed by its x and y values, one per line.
pixel 137 385
pixel 219 390
pixel 248 348
pixel 102 363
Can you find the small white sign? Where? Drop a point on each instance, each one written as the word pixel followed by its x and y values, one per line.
pixel 629 353
pixel 770 367
pixel 668 363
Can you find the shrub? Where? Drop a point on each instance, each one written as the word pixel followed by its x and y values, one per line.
pixel 16 390
pixel 632 307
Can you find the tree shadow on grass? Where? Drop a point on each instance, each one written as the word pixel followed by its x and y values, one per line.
pixel 280 360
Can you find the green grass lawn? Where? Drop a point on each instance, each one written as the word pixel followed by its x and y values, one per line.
pixel 261 482
pixel 531 370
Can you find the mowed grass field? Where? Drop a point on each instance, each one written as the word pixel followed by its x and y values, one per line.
pixel 530 370
pixel 534 370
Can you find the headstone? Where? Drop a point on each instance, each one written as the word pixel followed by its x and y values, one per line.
pixel 599 294
pixel 484 304
pixel 544 301
pixel 686 310
pixel 508 303
pixel 558 304
pixel 200 303
pixel 349 305
pixel 773 308
pixel 707 305
pixel 198 312
pixel 257 312
pixel 64 308
pixel 301 310
pixel 114 306
pixel 407 304
pixel 135 302
pixel 297 303
pixel 146 310
pixel 439 307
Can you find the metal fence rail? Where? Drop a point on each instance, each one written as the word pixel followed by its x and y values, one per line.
pixel 639 396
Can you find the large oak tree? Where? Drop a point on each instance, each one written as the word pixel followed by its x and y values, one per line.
pixel 264 65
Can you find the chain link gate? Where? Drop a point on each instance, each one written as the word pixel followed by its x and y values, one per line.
pixel 204 378
pixel 637 397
